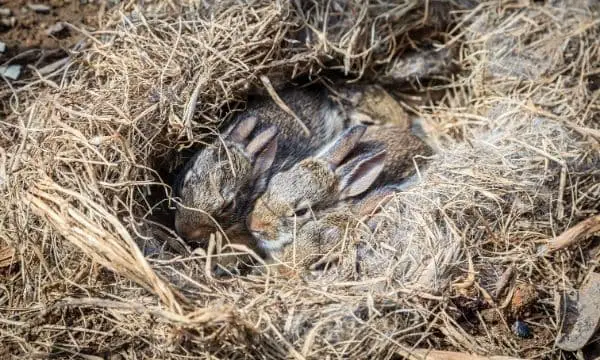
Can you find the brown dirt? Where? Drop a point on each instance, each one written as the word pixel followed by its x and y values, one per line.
pixel 29 31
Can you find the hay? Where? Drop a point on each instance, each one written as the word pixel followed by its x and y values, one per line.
pixel 87 149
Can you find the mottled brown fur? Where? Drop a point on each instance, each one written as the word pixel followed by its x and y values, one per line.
pixel 331 234
pixel 403 151
pixel 374 106
pixel 222 172
pixel 314 184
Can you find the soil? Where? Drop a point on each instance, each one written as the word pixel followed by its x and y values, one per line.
pixel 25 31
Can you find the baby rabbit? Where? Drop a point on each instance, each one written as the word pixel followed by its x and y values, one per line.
pixel 320 242
pixel 359 159
pixel 219 183
pixel 372 105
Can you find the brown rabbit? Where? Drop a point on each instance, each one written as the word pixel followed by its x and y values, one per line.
pixel 219 183
pixel 359 159
pixel 372 105
pixel 322 241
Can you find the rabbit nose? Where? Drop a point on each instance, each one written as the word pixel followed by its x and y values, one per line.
pixel 287 271
pixel 258 230
pixel 257 234
pixel 191 233
pixel 256 225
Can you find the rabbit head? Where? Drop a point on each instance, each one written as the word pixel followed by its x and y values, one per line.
pixel 215 186
pixel 294 196
pixel 320 242
pixel 373 105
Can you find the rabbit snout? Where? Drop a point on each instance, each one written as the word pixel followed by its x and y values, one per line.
pixel 194 226
pixel 265 227
pixel 259 227
pixel 193 233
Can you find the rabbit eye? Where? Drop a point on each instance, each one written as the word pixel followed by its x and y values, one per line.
pixel 228 207
pixel 301 212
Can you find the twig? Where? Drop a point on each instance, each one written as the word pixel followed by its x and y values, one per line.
pixel 575 234
pixel 267 84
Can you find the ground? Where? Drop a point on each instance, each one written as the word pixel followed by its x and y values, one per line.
pixel 25 30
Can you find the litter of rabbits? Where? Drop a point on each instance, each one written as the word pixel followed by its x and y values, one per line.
pixel 499 223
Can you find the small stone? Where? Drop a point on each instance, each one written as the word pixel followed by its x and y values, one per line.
pixel 582 319
pixel 55 29
pixel 5 11
pixel 2 47
pixel 491 316
pixel 149 251
pixel 11 71
pixel 8 22
pixel 521 329
pixel 523 298
pixel 39 8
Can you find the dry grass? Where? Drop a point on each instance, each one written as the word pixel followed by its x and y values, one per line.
pixel 86 149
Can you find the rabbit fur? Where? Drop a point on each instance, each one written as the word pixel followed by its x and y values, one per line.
pixel 321 241
pixel 218 185
pixel 360 158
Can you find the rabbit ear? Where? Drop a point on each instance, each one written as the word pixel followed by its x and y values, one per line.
pixel 265 158
pixel 335 153
pixel 262 149
pixel 243 129
pixel 359 174
pixel 378 197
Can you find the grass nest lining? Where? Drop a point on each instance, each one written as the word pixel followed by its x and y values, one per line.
pixel 86 151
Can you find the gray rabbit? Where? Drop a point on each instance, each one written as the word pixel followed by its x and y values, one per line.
pixel 321 241
pixel 361 158
pixel 217 186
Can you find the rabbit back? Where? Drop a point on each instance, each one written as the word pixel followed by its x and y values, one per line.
pixel 314 109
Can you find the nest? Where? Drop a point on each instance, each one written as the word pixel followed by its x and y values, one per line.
pixel 89 147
